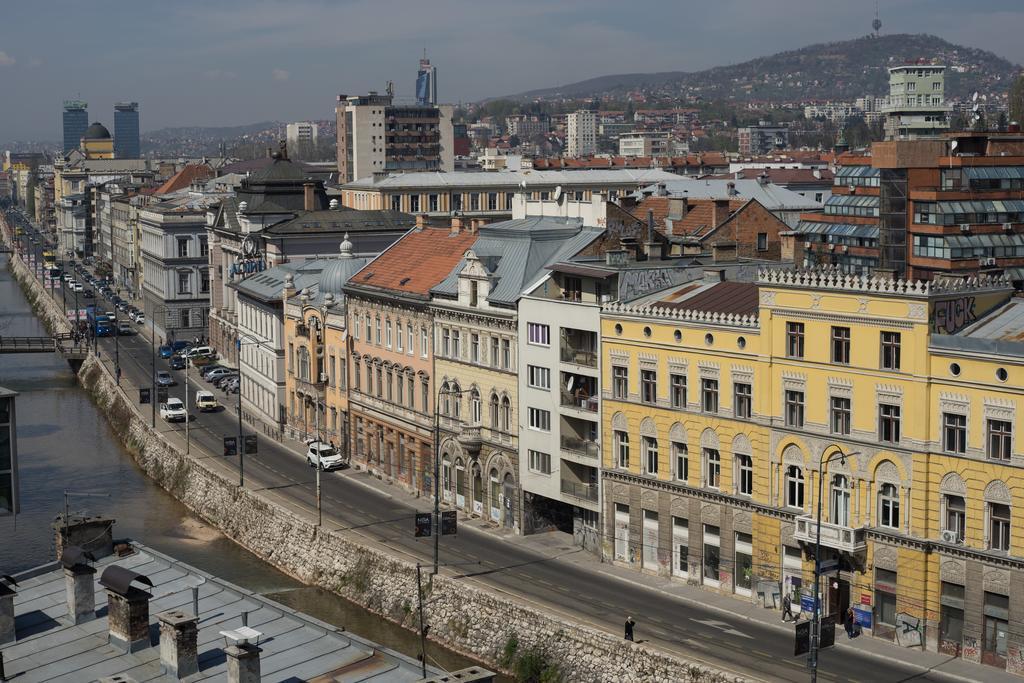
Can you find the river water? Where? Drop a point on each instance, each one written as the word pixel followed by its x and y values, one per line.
pixel 64 443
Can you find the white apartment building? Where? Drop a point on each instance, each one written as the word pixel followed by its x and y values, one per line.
pixel 301 136
pixel 645 144
pixel 581 133
pixel 917 102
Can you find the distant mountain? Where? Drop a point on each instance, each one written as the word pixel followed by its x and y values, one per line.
pixel 211 132
pixel 827 71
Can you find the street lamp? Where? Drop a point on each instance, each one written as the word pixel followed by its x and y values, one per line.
pixel 437 468
pixel 826 458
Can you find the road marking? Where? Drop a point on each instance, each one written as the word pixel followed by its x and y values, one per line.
pixel 723 627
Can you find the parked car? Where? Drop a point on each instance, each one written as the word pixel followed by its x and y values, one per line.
pixel 76 286
pixel 165 379
pixel 173 410
pixel 88 294
pixel 180 346
pixel 325 456
pixel 200 352
pixel 221 382
pixel 208 369
pixel 230 385
pixel 206 401
pixel 166 351
pixel 177 363
pixel 217 373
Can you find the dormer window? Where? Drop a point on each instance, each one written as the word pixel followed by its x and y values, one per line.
pixel 473 297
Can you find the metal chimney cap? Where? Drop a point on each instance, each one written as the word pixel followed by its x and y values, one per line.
pixel 74 557
pixel 119 579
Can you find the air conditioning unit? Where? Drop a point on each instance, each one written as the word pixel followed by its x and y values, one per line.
pixel 965 227
pixel 950 536
pixel 986 261
pixel 1007 227
pixel 852 189
pixel 323 378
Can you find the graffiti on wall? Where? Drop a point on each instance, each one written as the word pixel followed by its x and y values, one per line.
pixel 952 315
pixel 908 630
pixel 634 283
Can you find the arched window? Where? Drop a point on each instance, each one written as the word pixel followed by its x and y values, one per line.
pixel 506 414
pixel 889 506
pixel 303 354
pixel 997 510
pixel 840 500
pixel 794 487
pixel 445 400
pixel 474 407
pixel 954 505
pixel 494 411
pixel 456 401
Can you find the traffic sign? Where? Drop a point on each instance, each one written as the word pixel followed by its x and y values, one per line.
pixel 144 395
pixel 230 446
pixel 449 522
pixel 424 522
pixel 250 444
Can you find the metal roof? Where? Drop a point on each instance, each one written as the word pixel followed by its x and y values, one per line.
pixel 1006 324
pixel 295 647
pixel 990 172
pixel 844 229
pixel 515 252
pixel 856 172
pixel 269 285
pixel 772 197
pixel 511 180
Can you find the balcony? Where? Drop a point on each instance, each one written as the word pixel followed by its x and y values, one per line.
pixel 579 401
pixel 579 348
pixel 309 388
pixel 577 446
pixel 579 490
pixel 470 439
pixel 842 538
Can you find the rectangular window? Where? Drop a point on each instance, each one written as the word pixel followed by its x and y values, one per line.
pixel 794 408
pixel 999 526
pixel 400 391
pixel 741 401
pixel 841 345
pixel 494 352
pixel 398 337
pixel 762 241
pixel 378 332
pixel 474 293
pixel 456 344
pixel 709 395
pixel 474 201
pixel 996 628
pixel 795 340
pixel 432 203
pixel 712 552
pixel 540 462
pixel 538 377
pixel 388 333
pixel 620 381
pixel 794 487
pixel 956 515
pixel 414 203
pixel 1000 438
pixel 425 395
pixel 446 342
pixel 204 247
pixel 951 617
pixel 681 543
pixel 424 343
pixel 840 415
pixel 183 248
pixel 408 339
pixel 681 461
pixel 677 388
pixel 885 597
pixel 492 201
pixel 506 354
pixel 650 455
pixel 184 285
pixel 648 386
pixel 744 475
pixel 744 563
pixel 954 433
pixel 888 423
pixel 572 289
pixel 540 419
pixel 890 350
pixel 538 334
pixel 622 440
pixel 712 468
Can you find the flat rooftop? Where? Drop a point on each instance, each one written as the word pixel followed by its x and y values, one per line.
pixel 296 647
pixel 1005 324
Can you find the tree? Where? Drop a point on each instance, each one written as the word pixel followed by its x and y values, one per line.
pixel 1001 122
pixel 1016 99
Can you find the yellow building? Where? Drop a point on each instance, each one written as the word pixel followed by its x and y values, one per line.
pixel 97 143
pixel 727 404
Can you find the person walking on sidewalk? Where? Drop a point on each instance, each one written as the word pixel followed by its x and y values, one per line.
pixel 851 623
pixel 787 608
pixel 629 628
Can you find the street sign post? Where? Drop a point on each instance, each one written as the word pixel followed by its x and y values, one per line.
pixel 230 446
pixel 828 566
pixel 423 524
pixel 250 444
pixel 449 522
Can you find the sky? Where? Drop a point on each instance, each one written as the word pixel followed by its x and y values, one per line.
pixel 233 62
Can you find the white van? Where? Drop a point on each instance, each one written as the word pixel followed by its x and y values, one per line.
pixel 206 401
pixel 200 352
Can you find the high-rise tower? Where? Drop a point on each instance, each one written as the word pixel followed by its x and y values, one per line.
pixel 126 130
pixel 76 120
pixel 426 83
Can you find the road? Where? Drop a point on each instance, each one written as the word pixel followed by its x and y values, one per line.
pixel 743 646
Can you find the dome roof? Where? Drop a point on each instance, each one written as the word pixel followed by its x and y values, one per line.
pixel 97 131
pixel 336 274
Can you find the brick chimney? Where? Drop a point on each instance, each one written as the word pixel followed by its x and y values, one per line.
pixel 78 584
pixel 179 638
pixel 721 212
pixel 456 225
pixel 421 221
pixel 243 663
pixel 309 195
pixel 7 632
pixel 127 608
pixel 792 246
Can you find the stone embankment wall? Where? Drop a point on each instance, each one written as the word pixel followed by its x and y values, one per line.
pixel 462 617
pixel 46 309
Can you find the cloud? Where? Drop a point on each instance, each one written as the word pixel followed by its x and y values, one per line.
pixel 6 59
pixel 35 62
pixel 279 74
pixel 218 75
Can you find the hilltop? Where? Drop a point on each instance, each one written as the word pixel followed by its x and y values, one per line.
pixel 828 71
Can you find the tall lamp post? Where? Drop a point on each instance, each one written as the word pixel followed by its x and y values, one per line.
pixel 241 449
pixel 826 458
pixel 437 470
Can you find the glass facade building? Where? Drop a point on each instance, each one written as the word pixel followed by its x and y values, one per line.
pixel 126 131
pixel 76 120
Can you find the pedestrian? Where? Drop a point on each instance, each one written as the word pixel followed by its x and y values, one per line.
pixel 629 628
pixel 851 624
pixel 787 607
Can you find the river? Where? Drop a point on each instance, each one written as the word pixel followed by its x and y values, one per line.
pixel 64 443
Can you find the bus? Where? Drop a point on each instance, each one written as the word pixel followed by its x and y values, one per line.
pixel 49 262
pixel 99 322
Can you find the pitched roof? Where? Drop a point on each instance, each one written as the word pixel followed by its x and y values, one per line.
pixel 772 197
pixel 513 179
pixel 416 263
pixel 344 219
pixel 184 178
pixel 698 221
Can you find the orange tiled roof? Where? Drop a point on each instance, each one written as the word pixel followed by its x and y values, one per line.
pixel 417 262
pixel 698 221
pixel 184 178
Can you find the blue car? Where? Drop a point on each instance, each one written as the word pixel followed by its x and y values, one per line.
pixel 177 363
pixel 166 351
pixel 181 346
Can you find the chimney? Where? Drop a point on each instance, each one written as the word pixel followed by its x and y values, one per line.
pixel 7 632
pixel 456 225
pixel 421 221
pixel 243 656
pixel 677 208
pixel 721 212
pixel 713 275
pixel 762 178
pixel 78 584
pixel 179 639
pixel 309 195
pixel 791 247
pixel 723 251
pixel 127 608
pixel 730 188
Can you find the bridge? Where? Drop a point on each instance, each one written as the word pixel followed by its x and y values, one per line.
pixel 74 351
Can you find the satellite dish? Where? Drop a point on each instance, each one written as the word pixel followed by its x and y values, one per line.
pixel 558 193
pixel 974 97
pixel 974 107
pixel 568 385
pixel 953 145
pixel 984 98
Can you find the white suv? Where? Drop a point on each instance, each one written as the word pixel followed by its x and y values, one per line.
pixel 173 410
pixel 324 455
